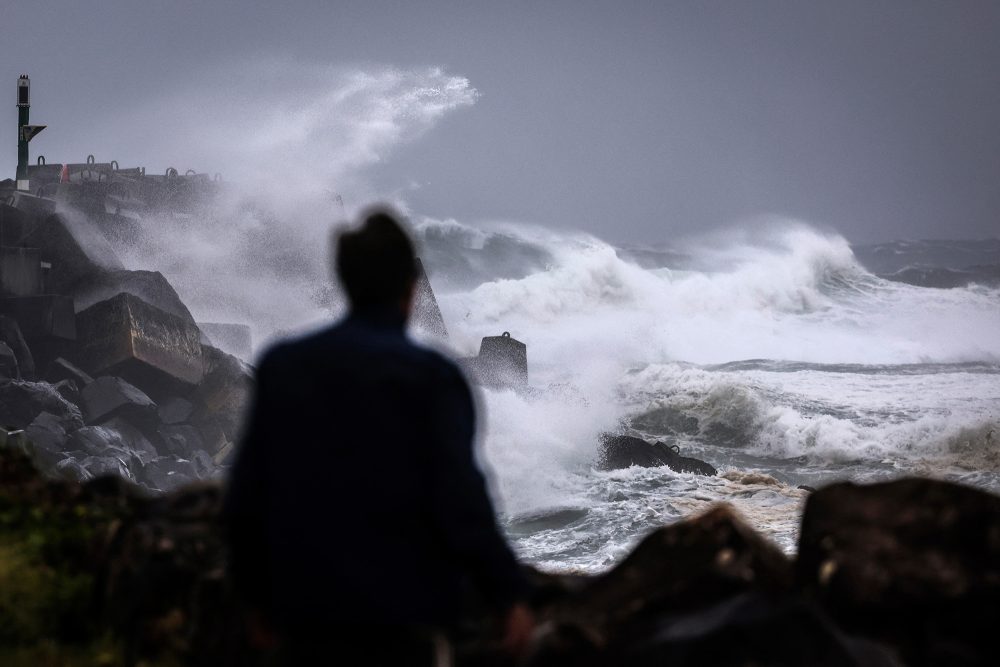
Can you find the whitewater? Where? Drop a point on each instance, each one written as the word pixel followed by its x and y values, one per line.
pixel 772 355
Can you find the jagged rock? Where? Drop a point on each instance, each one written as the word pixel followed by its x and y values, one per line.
pixel 8 363
pixel 149 347
pixel 10 333
pixel 913 562
pixel 114 438
pixel 221 399
pixel 623 451
pixel 72 470
pixel 48 436
pixel 135 440
pixel 108 396
pixel 168 472
pixel 675 572
pixel 21 402
pixel 68 390
pixel 100 466
pixel 175 410
pixel 181 440
pixel 60 369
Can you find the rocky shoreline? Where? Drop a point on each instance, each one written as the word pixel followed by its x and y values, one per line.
pixel 898 573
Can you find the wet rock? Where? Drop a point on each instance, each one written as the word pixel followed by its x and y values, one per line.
pixel 21 402
pixel 114 438
pixel 107 397
pixel 912 562
pixel 149 347
pixel 10 333
pixel 167 472
pixel 71 469
pixel 47 323
pixel 135 439
pixel 676 571
pixel 221 398
pixel 8 363
pixel 101 466
pixel 181 440
pixel 60 369
pixel 47 435
pixel 175 410
pixel 68 390
pixel 623 451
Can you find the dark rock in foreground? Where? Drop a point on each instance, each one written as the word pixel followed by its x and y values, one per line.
pixel 623 451
pixel 914 562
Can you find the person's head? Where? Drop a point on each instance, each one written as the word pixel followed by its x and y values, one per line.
pixel 376 263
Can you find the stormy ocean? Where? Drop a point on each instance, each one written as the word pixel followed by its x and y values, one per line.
pixel 773 350
pixel 773 355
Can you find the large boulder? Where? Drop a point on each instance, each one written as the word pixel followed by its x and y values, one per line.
pixel 623 451
pixel 675 574
pixel 913 562
pixel 150 347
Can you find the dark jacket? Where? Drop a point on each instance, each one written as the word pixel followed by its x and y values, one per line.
pixel 355 497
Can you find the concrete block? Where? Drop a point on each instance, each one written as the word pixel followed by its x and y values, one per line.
pixel 151 348
pixel 502 362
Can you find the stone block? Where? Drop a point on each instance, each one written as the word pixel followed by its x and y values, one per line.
pixel 151 348
pixel 502 362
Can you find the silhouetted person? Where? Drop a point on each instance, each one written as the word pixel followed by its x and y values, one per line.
pixel 357 515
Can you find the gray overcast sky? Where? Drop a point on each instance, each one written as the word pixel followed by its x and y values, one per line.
pixel 638 121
